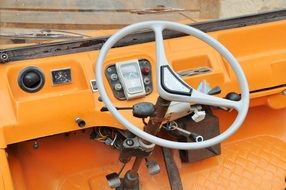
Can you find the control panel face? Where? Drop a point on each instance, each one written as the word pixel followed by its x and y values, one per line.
pixel 130 79
pixel 61 76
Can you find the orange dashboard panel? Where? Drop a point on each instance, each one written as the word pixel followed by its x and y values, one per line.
pixel 65 92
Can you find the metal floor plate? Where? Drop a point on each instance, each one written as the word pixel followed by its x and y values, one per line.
pixel 252 164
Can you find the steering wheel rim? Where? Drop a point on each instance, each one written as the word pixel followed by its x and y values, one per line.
pixel 158 26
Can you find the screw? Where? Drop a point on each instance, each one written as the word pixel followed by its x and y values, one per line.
pixel 129 142
pixel 109 69
pixel 4 56
pixel 36 145
pixel 144 62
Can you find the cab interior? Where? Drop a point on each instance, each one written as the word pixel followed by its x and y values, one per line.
pixel 59 137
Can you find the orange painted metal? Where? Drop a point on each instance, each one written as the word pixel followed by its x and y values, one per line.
pixel 76 162
pixel 255 157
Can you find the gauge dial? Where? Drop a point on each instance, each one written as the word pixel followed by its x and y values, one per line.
pixel 130 76
pixel 61 76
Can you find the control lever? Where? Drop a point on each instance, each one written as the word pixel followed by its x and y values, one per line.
pixel 104 109
pixel 231 96
pixel 174 126
pixel 198 138
pixel 193 136
pixel 140 110
pixel 214 91
pixel 143 110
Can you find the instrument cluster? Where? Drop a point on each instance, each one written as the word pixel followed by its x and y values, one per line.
pixel 130 79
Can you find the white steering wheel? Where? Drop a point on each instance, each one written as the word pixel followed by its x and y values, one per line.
pixel 171 87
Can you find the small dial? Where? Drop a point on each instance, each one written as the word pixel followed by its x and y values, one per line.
pixel 61 76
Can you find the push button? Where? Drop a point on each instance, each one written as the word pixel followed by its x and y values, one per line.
pixel 145 70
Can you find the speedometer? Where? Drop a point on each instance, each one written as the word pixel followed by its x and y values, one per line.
pixel 131 78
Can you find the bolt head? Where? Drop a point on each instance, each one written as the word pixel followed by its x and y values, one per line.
pixel 36 145
pixel 109 70
pixel 129 142
pixel 4 56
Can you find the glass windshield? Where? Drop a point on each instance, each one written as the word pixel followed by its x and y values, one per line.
pixel 26 22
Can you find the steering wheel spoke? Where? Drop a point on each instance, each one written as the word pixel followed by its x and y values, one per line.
pixel 161 58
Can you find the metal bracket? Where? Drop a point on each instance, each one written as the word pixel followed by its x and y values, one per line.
pixel 135 147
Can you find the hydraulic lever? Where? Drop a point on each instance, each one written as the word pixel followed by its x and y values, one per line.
pixel 173 126
pixel 104 109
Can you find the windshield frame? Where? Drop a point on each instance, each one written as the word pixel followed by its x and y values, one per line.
pixel 95 43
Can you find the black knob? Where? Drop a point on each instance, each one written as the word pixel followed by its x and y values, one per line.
pixel 80 122
pixel 233 96
pixel 143 110
pixel 215 90
pixel 31 79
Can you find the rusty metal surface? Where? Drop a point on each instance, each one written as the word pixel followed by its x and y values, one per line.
pixel 208 128
pixel 172 170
